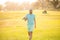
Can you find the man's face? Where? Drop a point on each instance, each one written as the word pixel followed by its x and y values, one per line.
pixel 30 11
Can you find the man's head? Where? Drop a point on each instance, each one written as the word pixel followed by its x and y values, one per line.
pixel 30 11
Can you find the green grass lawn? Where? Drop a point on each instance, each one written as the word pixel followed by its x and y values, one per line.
pixel 12 27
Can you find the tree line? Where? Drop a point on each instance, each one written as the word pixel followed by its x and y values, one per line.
pixel 39 4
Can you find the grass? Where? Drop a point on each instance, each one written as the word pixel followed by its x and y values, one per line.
pixel 12 27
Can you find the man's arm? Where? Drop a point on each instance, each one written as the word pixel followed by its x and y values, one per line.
pixel 35 22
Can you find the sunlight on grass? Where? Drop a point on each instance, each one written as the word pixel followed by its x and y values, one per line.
pixel 12 27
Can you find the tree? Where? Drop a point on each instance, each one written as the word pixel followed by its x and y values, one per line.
pixel 11 6
pixel 36 5
pixel 42 4
pixel 55 3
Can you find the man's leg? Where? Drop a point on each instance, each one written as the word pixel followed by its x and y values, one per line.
pixel 30 31
pixel 30 35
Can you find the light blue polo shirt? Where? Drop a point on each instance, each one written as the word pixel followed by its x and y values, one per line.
pixel 30 18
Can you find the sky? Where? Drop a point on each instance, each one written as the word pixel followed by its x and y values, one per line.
pixel 17 1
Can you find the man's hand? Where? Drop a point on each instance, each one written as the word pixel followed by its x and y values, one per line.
pixel 25 18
